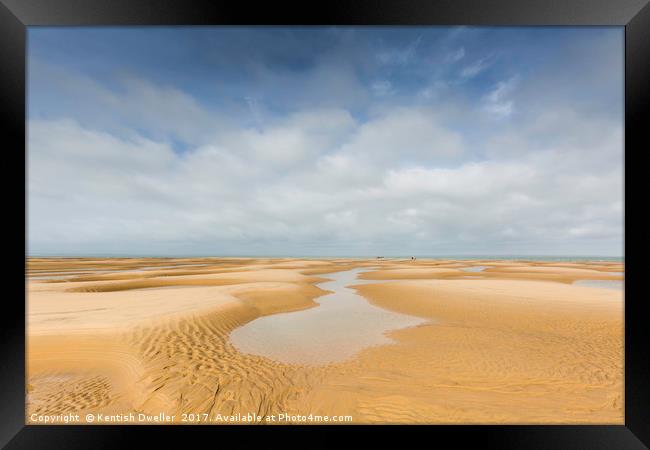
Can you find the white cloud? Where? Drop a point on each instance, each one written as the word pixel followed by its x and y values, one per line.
pixel 400 56
pixel 88 188
pixel 456 55
pixel 478 66
pixel 381 88
pixel 498 102
pixel 254 107
pixel 404 135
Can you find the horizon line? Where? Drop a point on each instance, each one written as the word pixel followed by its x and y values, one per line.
pixel 483 256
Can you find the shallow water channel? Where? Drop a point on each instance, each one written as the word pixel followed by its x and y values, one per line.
pixel 604 284
pixel 343 324
pixel 474 269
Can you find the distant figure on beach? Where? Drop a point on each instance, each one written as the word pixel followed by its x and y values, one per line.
pixel 380 257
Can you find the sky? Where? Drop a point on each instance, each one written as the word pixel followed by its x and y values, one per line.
pixel 325 141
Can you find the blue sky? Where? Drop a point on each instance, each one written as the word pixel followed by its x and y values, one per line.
pixel 325 141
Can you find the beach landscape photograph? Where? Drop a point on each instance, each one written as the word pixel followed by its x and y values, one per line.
pixel 325 225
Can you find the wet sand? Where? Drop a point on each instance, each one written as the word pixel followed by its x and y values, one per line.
pixel 518 342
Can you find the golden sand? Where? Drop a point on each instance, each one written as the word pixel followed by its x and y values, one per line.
pixel 515 343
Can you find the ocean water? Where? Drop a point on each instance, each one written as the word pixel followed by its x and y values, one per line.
pixel 563 258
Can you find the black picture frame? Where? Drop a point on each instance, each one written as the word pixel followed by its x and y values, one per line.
pixel 634 15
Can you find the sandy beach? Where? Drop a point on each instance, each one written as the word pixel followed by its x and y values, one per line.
pixel 150 340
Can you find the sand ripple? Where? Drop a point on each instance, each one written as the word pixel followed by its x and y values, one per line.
pixel 520 344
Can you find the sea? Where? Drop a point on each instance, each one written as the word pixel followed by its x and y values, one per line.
pixel 550 258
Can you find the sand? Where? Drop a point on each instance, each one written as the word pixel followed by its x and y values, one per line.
pixel 516 343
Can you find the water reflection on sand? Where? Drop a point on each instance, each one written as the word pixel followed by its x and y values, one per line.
pixel 343 324
pixel 604 284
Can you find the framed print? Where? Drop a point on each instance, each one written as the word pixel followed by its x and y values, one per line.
pixel 384 217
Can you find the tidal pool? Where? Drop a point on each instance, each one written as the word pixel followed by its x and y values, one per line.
pixel 340 326
pixel 474 268
pixel 605 284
